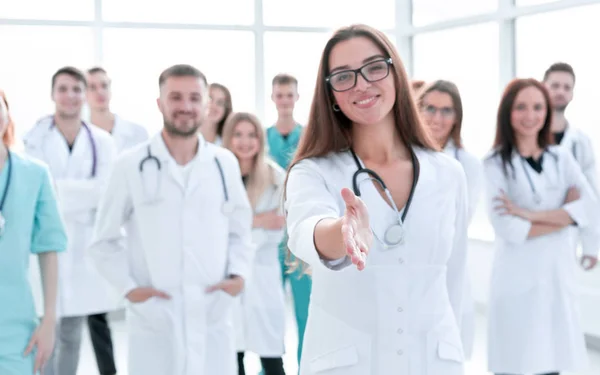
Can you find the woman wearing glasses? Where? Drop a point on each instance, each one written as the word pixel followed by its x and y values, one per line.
pixel 380 215
pixel 29 223
pixel 536 195
pixel 441 108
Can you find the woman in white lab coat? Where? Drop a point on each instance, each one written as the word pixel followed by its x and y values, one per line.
pixel 387 284
pixel 536 195
pixel 442 111
pixel 219 109
pixel 260 315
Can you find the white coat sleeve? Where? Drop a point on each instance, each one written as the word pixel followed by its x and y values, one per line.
pixel 241 248
pixel 271 238
pixel 584 211
pixel 308 201
pixel 77 195
pixel 457 263
pixel 588 162
pixel 508 228
pixel 107 248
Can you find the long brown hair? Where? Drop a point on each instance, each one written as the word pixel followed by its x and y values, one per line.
pixel 329 131
pixel 262 175
pixel 9 135
pixel 228 106
pixel 505 141
pixel 451 89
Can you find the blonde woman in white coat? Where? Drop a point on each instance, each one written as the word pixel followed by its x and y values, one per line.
pixel 537 197
pixel 442 111
pixel 260 314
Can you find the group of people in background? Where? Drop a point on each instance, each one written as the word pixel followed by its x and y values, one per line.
pixel 364 210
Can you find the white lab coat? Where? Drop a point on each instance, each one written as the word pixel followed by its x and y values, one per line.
pixel 260 310
pixel 401 314
pixel 474 173
pixel 180 243
pixel 127 134
pixel 534 324
pixel 580 146
pixel 82 291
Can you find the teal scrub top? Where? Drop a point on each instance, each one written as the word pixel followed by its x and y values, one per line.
pixel 282 149
pixel 33 226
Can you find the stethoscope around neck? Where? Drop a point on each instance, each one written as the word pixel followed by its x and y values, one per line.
pixel 394 235
pixel 537 198
pixel 227 207
pixel 92 143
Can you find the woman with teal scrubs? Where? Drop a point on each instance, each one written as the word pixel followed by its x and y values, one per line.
pixel 30 223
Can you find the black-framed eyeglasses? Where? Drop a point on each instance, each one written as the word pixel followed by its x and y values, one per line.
pixel 372 72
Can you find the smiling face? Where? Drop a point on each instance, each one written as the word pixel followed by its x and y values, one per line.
pixel 367 103
pixel 245 141
pixel 528 112
pixel 182 103
pixel 217 105
pixel 68 94
pixel 439 114
pixel 98 91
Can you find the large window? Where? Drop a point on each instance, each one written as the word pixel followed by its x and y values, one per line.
pixel 431 11
pixel 297 54
pixel 567 36
pixel 26 75
pixel 180 11
pixel 226 57
pixel 69 10
pixel 330 13
pixel 469 57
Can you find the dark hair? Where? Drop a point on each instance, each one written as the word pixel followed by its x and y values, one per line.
pixel 449 88
pixel 228 106
pixel 181 70
pixel 70 71
pixel 559 67
pixel 329 131
pixel 417 84
pixel 505 141
pixel 9 134
pixel 284 79
pixel 96 69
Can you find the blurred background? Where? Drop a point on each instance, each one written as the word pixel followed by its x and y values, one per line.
pixel 478 44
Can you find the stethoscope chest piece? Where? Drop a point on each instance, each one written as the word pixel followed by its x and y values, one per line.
pixel 394 235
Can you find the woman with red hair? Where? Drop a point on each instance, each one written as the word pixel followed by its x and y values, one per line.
pixel 29 223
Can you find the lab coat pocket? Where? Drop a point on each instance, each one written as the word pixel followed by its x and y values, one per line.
pixel 444 349
pixel 333 347
pixel 343 357
pixel 147 317
pixel 221 306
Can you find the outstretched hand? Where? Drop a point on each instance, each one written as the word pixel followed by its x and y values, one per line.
pixel 356 230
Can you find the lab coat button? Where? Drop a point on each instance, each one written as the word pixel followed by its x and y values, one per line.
pixel 400 331
pixel 400 352
pixel 400 309
pixel 401 261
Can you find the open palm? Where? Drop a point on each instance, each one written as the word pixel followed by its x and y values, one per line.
pixel 356 229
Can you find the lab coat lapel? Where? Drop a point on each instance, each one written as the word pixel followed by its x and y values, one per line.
pixel 80 158
pixel 55 152
pixel 381 214
pixel 160 150
pixel 201 169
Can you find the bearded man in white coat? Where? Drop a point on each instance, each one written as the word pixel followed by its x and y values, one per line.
pixel 188 228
